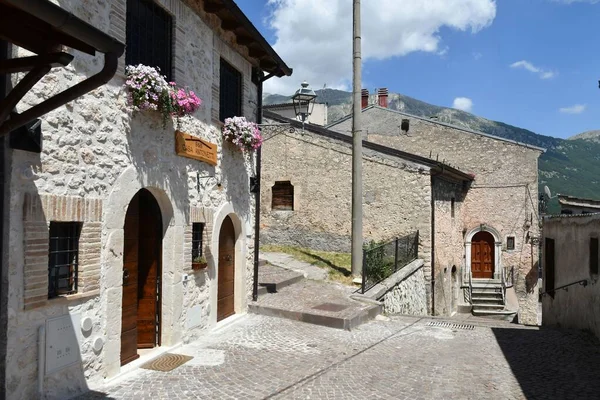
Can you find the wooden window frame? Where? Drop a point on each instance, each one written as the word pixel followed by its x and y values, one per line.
pixel 148 42
pixel 63 242
pixel 511 243
pixel 282 196
pixel 197 239
pixel 594 256
pixel 230 91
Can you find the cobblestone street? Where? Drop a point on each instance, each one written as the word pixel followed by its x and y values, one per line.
pixel 404 358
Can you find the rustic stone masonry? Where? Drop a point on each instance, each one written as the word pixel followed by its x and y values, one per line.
pixel 38 212
pixel 197 215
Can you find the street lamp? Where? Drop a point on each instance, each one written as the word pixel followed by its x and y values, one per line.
pixel 304 101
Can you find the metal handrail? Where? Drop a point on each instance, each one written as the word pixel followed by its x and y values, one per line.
pixel 470 287
pixel 582 282
pixel 503 278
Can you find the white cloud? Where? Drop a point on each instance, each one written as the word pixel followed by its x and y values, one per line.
pixel 315 36
pixel 574 109
pixel 477 56
pixel 542 73
pixel 463 103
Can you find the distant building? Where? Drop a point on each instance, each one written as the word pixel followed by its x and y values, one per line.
pixel 471 196
pixel 317 117
pixel 576 205
pixel 571 259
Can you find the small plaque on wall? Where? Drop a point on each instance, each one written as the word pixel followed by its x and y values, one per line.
pixel 196 148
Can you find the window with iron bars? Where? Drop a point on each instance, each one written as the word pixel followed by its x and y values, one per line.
pixel 230 91
pixel 63 262
pixel 197 231
pixel 149 36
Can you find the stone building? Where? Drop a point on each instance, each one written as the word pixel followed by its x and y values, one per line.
pixel 475 228
pixel 576 205
pixel 318 116
pixel 105 218
pixel 570 254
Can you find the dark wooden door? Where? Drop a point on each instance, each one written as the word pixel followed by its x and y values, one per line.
pixel 225 296
pixel 141 273
pixel 482 255
pixel 148 271
pixel 130 283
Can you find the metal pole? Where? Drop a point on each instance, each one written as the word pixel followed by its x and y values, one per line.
pixel 357 239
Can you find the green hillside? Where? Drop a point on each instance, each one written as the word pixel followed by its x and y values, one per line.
pixel 568 166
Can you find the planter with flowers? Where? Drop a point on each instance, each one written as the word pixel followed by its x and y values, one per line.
pixel 199 263
pixel 149 90
pixel 242 133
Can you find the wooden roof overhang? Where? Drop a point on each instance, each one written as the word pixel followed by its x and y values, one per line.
pixel 45 29
pixel 235 21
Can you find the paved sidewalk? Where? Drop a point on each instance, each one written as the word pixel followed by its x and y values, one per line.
pixel 287 261
pixel 267 358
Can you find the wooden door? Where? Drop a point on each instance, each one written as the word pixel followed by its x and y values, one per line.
pixel 150 235
pixel 226 274
pixel 141 271
pixel 130 283
pixel 482 255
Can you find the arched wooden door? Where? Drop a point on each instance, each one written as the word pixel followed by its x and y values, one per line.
pixel 482 255
pixel 226 275
pixel 142 252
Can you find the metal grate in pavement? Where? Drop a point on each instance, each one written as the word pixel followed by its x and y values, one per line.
pixel 167 362
pixel 451 325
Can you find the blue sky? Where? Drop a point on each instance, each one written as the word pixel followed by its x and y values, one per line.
pixel 530 63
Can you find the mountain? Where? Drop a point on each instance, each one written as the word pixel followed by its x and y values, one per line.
pixel 568 166
pixel 592 136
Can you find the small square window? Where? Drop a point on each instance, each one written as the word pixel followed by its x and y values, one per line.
pixel 452 207
pixel 510 243
pixel 197 232
pixel 282 196
pixel 63 262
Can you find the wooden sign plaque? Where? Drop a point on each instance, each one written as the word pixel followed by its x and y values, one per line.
pixel 196 148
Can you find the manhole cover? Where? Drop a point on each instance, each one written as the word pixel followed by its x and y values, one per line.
pixel 330 307
pixel 442 324
pixel 167 362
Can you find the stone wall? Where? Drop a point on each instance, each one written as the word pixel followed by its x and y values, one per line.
pixel 96 151
pixel 576 307
pixel 502 196
pixel 396 194
pixel 448 244
pixel 405 292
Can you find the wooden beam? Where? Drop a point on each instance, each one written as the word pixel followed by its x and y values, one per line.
pixel 230 25
pixel 20 90
pixel 213 7
pixel 256 52
pixel 25 64
pixel 243 40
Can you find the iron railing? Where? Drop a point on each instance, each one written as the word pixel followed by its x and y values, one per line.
pixel 552 292
pixel 381 260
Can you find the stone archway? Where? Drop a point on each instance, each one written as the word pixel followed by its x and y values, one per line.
pixel 496 251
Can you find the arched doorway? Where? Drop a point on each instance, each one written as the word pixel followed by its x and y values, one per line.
pixel 482 255
pixel 226 274
pixel 142 253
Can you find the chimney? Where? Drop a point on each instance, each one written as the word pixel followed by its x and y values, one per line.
pixel 365 98
pixel 382 95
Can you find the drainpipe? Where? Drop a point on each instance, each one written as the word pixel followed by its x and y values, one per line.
pixel 261 80
pixel 3 193
pixel 68 23
pixel 432 246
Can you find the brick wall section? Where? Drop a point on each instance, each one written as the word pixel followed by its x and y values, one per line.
pixel 38 212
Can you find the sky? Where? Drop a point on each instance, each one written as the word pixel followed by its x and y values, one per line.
pixel 534 64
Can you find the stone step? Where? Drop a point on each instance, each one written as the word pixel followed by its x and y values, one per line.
pixel 487 306
pixel 488 300
pixel 488 294
pixel 318 303
pixel 504 315
pixel 271 279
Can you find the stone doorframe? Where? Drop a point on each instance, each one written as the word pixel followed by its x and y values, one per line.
pixel 240 284
pixel 497 251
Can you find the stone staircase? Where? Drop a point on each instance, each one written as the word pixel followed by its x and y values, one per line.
pixel 488 299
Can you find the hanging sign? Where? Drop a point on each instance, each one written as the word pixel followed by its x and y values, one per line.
pixel 196 148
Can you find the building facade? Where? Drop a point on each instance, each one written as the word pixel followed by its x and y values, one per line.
pixel 570 257
pixel 106 221
pixel 571 205
pixel 496 225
